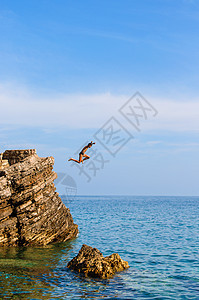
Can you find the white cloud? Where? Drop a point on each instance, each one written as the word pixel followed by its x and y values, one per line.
pixel 19 107
pixel 177 115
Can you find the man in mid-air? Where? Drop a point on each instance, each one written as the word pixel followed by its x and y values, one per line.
pixel 82 155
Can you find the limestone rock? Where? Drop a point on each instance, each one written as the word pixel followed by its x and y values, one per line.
pixel 31 211
pixel 14 156
pixel 91 262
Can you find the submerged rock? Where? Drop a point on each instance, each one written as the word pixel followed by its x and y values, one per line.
pixel 31 211
pixel 91 262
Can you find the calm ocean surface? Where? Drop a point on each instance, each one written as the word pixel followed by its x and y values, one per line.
pixel 158 236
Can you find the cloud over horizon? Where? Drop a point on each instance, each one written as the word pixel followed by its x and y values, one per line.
pixel 19 106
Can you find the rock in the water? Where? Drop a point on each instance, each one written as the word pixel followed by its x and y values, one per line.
pixel 31 211
pixel 91 262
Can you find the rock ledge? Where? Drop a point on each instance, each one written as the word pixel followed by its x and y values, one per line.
pixel 91 262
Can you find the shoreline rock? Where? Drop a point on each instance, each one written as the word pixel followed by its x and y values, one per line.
pixel 90 262
pixel 31 211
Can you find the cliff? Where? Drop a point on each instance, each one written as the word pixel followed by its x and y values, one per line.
pixel 31 211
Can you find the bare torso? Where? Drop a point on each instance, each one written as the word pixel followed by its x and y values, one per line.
pixel 84 150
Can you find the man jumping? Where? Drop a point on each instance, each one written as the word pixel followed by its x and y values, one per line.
pixel 82 155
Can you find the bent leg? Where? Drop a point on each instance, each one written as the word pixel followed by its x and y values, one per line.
pixel 74 160
pixel 77 161
pixel 86 157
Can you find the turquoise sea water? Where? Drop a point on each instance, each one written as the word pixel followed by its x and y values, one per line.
pixel 158 236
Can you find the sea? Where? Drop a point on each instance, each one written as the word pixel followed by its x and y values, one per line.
pixel 158 236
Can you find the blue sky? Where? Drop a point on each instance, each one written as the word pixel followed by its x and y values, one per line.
pixel 68 66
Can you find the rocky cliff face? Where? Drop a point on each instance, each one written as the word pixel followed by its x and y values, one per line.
pixel 31 211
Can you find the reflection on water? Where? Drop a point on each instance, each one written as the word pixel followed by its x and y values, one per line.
pixel 41 273
pixel 29 272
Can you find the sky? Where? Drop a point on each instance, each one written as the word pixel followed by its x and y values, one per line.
pixel 121 73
